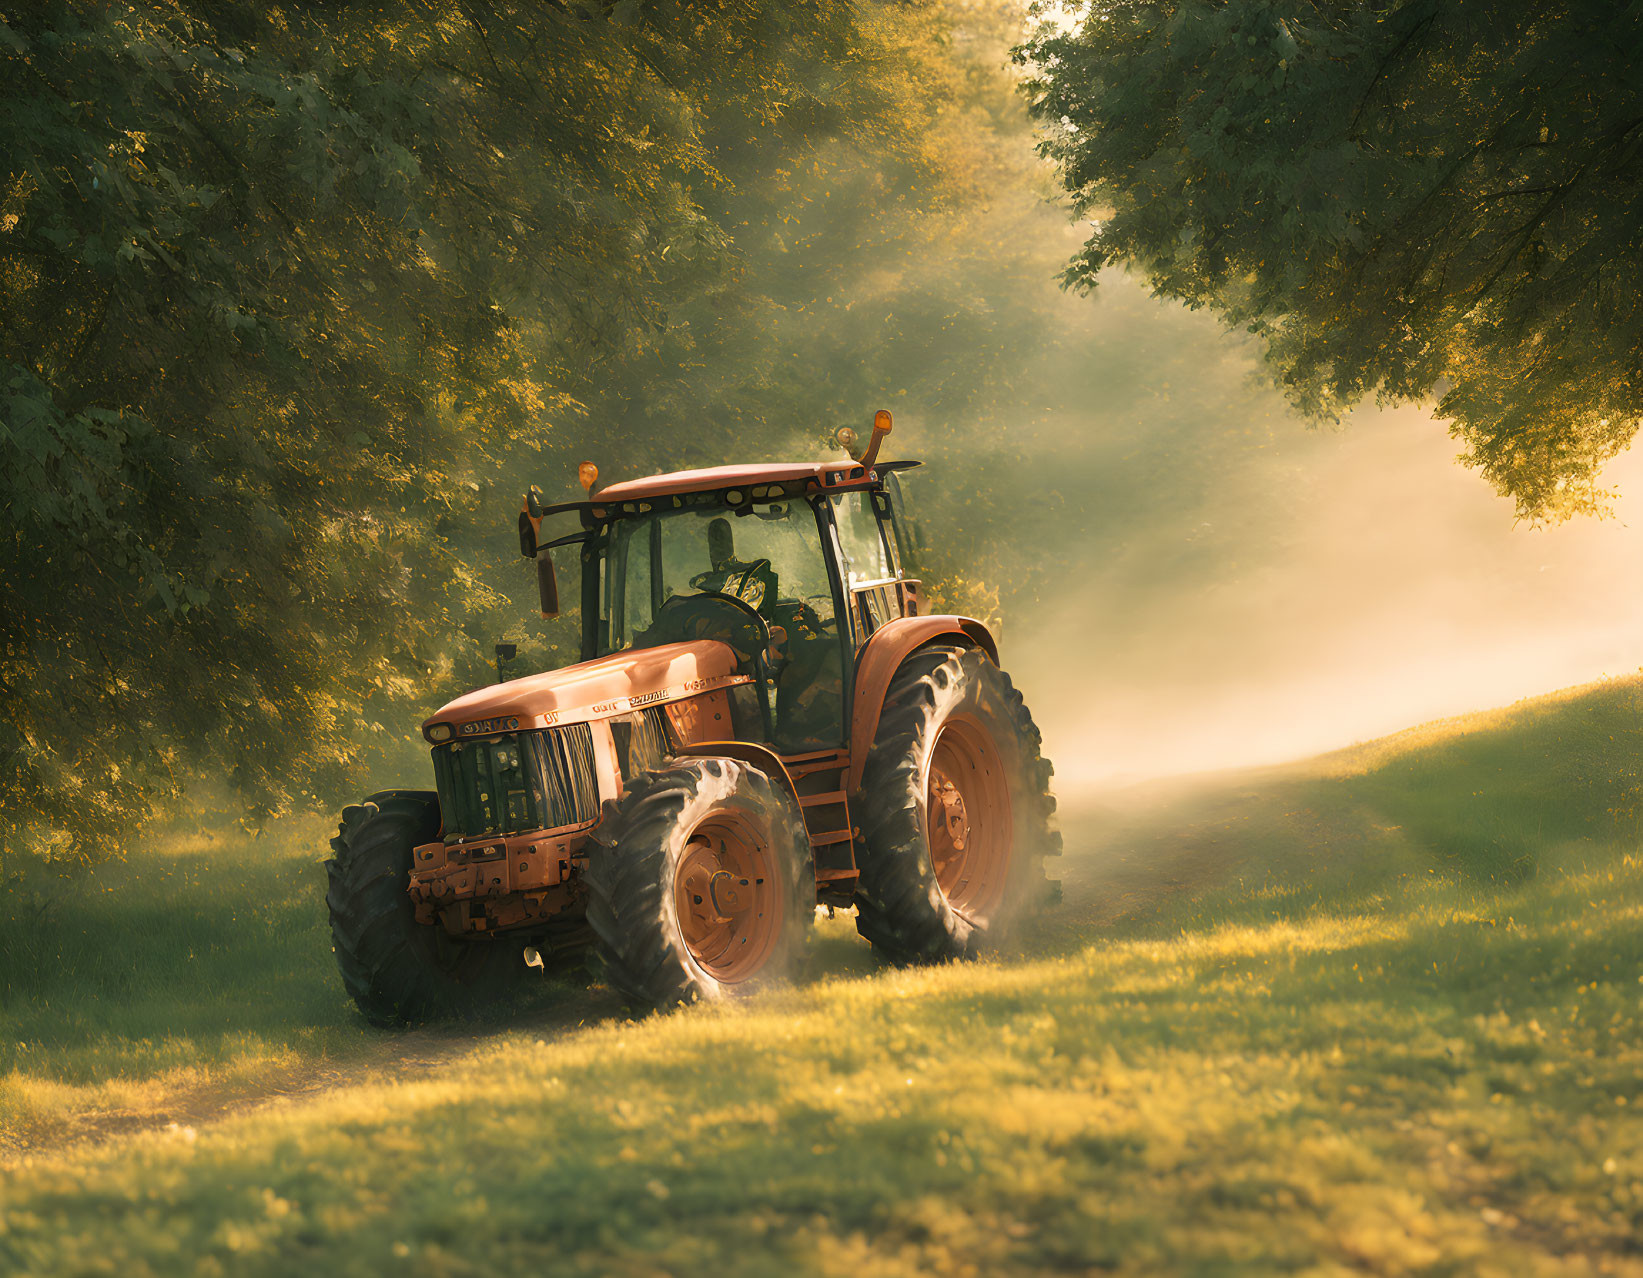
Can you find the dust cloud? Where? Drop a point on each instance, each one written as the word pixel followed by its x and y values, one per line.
pixel 1194 579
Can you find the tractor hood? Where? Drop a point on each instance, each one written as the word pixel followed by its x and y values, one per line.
pixel 601 689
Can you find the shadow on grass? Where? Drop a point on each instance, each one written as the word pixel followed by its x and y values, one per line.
pixel 1331 1090
pixel 204 949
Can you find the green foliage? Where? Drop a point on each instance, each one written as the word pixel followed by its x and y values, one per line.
pixel 294 303
pixel 1399 198
pixel 256 366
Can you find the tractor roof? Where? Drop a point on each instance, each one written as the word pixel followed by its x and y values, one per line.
pixel 825 475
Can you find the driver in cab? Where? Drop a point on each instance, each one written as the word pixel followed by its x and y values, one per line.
pixel 803 664
pixel 754 583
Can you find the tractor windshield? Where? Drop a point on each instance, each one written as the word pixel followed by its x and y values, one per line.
pixel 717 572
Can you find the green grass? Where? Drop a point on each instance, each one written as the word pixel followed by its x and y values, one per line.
pixel 195 969
pixel 1380 1014
pixel 188 980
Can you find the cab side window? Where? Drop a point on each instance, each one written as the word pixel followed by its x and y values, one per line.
pixel 860 538
pixel 897 492
pixel 890 527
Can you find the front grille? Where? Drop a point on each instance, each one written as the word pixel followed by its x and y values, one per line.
pixel 572 786
pixel 518 781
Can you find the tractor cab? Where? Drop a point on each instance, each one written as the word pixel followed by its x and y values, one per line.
pixel 793 566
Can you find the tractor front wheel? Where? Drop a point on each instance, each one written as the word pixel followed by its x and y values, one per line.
pixel 700 885
pixel 955 811
pixel 394 968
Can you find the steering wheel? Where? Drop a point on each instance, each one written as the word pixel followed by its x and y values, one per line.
pixel 694 617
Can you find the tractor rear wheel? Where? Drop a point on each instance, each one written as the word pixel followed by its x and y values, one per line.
pixel 700 885
pixel 394 968
pixel 955 810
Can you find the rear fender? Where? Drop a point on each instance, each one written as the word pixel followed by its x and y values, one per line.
pixel 882 656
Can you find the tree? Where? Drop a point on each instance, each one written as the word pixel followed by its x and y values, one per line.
pixel 294 302
pixel 280 292
pixel 1401 198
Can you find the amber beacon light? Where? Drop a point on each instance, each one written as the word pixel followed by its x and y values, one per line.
pixel 881 428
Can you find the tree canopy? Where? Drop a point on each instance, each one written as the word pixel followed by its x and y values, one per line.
pixel 294 303
pixel 1401 198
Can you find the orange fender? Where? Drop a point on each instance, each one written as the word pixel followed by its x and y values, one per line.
pixel 882 656
pixel 761 757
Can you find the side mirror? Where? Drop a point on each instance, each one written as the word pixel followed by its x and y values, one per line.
pixel 547 585
pixel 530 522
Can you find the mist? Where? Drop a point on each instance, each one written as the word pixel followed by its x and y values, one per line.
pixel 1195 578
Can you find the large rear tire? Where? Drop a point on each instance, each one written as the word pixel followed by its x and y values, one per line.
pixel 396 969
pixel 700 885
pixel 955 810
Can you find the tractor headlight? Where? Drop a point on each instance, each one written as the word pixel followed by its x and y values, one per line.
pixel 438 732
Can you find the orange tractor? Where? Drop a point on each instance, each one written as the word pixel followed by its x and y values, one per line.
pixel 763 720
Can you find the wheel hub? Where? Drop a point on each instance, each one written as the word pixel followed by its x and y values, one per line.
pixel 967 805
pixel 725 893
pixel 947 803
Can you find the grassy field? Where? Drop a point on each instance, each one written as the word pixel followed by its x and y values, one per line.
pixel 1381 1013
pixel 184 983
pixel 193 972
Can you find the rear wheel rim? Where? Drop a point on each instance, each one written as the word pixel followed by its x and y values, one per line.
pixel 726 897
pixel 967 816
